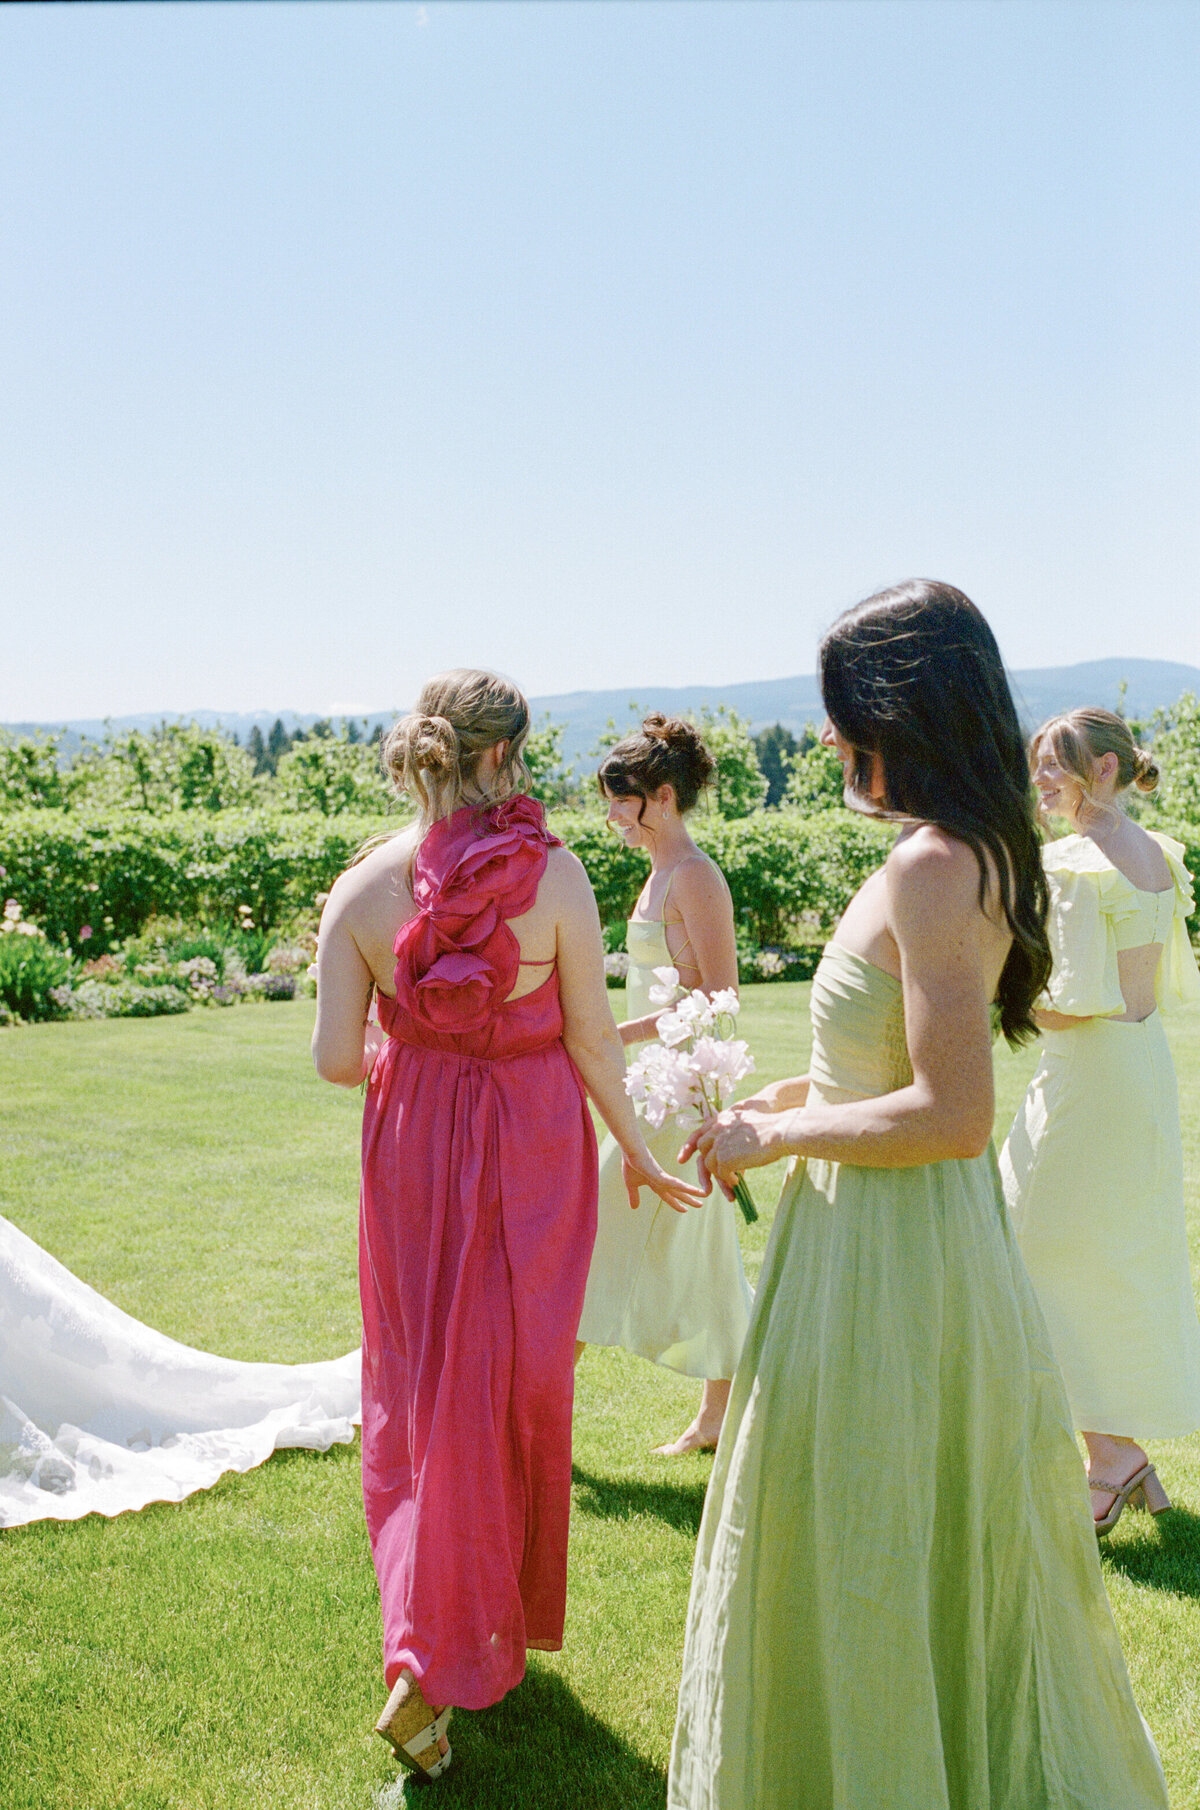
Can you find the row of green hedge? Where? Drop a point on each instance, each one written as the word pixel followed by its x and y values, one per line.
pixel 110 874
pixel 781 865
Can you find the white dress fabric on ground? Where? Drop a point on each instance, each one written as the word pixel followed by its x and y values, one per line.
pixel 100 1414
pixel 668 1286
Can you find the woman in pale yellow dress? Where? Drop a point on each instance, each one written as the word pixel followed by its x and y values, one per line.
pixel 897 1601
pixel 668 1286
pixel 1093 1165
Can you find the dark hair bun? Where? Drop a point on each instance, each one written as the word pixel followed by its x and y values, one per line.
pixel 667 750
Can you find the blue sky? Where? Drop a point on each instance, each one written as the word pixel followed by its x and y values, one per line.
pixel 609 344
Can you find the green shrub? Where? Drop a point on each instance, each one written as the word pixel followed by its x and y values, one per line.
pixel 98 878
pixel 30 770
pixel 617 873
pixel 817 782
pixel 31 969
pixel 228 881
pixel 132 1001
pixel 1189 835
pixel 334 777
pixel 124 999
pixel 1176 748
pixel 789 873
pixel 779 964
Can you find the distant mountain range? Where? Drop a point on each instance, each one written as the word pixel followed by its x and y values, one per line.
pixel 1040 692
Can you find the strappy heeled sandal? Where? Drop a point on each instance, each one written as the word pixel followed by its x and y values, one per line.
pixel 1142 1490
pixel 414 1730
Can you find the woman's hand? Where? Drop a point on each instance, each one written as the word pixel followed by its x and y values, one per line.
pixel 641 1171
pixel 778 1096
pixel 1048 1020
pixel 741 1137
pixel 374 1038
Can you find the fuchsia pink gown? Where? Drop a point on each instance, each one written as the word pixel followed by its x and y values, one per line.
pixel 478 1218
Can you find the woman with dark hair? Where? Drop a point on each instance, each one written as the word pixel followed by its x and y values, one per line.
pixel 477 935
pixel 897 1597
pixel 668 1286
pixel 1093 1166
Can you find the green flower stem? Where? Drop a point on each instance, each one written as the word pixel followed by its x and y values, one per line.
pixel 741 1193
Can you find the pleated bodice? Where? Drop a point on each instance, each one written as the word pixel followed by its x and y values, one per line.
pixel 646 941
pixel 858 1027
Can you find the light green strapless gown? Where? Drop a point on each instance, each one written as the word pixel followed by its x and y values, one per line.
pixel 897 1601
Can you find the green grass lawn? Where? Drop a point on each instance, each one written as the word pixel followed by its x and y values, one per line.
pixel 225 1652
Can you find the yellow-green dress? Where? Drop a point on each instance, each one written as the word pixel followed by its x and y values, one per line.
pixel 897 1601
pixel 1093 1166
pixel 668 1286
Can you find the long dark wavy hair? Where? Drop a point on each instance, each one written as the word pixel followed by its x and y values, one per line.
pixel 914 675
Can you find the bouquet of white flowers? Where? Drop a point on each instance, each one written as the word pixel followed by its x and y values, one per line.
pixel 693 1068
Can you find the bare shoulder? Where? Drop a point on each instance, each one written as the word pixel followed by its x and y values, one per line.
pixel 930 871
pixel 565 881
pixel 378 880
pixel 698 884
pixel 1145 865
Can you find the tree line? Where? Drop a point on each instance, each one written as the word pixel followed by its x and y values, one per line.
pixel 334 767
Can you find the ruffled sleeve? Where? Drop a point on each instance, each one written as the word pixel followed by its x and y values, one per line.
pixel 1178 982
pixel 1085 982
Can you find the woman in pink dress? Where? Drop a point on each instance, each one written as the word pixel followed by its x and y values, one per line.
pixel 478 935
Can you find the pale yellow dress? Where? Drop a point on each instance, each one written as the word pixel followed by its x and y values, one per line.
pixel 897 1601
pixel 1093 1165
pixel 668 1286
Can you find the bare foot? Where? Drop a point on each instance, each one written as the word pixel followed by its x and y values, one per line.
pixel 692 1439
pixel 705 1430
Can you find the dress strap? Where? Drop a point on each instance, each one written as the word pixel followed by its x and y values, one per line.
pixel 687 941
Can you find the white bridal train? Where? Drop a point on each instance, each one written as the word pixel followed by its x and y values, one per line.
pixel 100 1414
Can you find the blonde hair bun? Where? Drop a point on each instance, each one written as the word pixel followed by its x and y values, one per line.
pixel 1146 775
pixel 433 752
pixel 432 743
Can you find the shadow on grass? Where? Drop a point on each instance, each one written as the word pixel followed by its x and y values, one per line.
pixel 1166 1555
pixel 538 1749
pixel 619 1499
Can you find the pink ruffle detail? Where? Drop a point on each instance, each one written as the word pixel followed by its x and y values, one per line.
pixel 457 960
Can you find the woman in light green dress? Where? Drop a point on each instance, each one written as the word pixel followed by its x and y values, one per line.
pixel 1093 1166
pixel 666 1285
pixel 897 1599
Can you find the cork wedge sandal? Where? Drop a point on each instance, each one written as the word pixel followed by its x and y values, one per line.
pixel 414 1729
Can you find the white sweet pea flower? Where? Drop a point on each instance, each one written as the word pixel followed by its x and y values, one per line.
pixel 735 1061
pixel 661 1081
pixel 707 1058
pixel 726 1003
pixel 696 1012
pixel 672 1029
pixel 666 987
